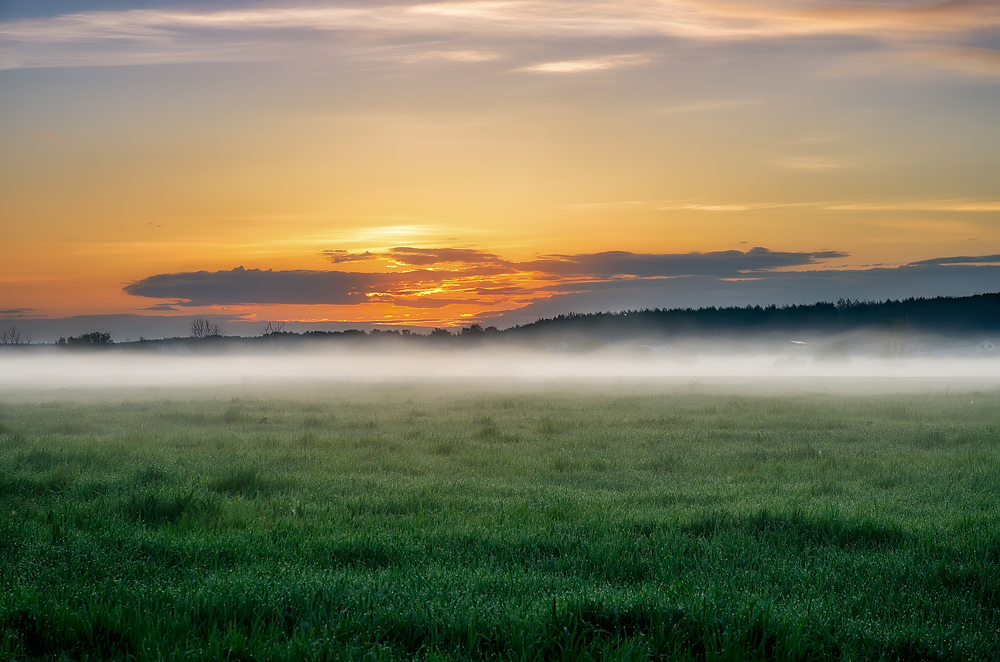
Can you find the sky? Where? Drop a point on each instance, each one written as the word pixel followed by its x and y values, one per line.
pixel 350 164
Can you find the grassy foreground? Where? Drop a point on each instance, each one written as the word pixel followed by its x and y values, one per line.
pixel 391 522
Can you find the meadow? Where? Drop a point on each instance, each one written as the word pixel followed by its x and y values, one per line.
pixel 400 521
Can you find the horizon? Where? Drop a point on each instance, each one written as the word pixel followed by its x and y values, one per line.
pixel 440 164
pixel 932 319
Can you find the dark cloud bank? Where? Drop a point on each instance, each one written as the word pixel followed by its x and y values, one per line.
pixel 611 280
pixel 556 284
pixel 253 286
pixel 586 272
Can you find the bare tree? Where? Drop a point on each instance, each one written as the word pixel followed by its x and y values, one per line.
pixel 271 334
pixel 273 328
pixel 12 336
pixel 202 328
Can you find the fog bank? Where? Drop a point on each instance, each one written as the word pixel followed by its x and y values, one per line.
pixel 481 368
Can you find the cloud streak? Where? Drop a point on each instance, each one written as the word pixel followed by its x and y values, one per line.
pixel 593 64
pixel 406 255
pixel 950 206
pixel 810 163
pixel 261 32
pixel 962 259
pixel 721 264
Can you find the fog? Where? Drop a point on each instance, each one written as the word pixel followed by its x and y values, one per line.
pixel 142 375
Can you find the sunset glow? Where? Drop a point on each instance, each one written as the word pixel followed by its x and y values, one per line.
pixel 436 164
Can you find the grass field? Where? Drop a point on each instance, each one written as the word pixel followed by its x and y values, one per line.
pixel 392 522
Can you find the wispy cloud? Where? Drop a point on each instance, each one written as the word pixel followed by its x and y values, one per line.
pixel 261 32
pixel 894 20
pixel 719 264
pixel 732 207
pixel 590 64
pixel 810 163
pixel 972 206
pixel 972 61
pixel 456 55
pixel 406 255
pixel 920 59
pixel 951 206
pixel 707 105
pixel 962 259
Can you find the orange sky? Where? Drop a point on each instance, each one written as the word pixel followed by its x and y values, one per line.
pixel 174 140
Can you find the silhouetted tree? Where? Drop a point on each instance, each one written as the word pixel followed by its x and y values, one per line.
pixel 92 339
pixel 440 334
pixel 12 336
pixel 272 334
pixel 202 328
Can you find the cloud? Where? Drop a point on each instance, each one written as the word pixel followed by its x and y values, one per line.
pixel 779 288
pixel 424 302
pixel 967 60
pixel 964 259
pixel 448 275
pixel 924 205
pixel 810 163
pixel 253 286
pixel 417 256
pixel 426 256
pixel 719 264
pixel 373 30
pixel 959 205
pixel 707 106
pixel 918 59
pixel 721 206
pixel 339 256
pixel 485 286
pixel 594 64
pixel 459 55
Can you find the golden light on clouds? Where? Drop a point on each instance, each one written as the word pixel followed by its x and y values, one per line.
pixel 592 64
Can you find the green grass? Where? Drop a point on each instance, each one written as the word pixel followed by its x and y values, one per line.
pixel 393 522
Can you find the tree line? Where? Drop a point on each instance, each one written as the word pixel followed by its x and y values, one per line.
pixel 976 315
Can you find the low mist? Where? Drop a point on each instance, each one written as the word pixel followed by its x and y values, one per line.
pixel 482 368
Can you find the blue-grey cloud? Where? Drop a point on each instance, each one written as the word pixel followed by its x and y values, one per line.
pixel 254 286
pixel 961 259
pixel 925 280
pixel 339 256
pixel 607 281
pixel 720 264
